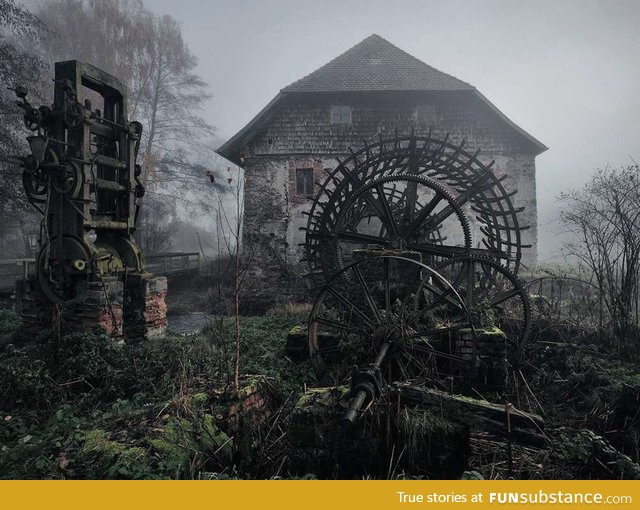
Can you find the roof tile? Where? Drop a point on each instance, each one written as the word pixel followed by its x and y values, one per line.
pixel 373 65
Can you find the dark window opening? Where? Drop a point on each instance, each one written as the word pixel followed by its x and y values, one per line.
pixel 304 181
pixel 340 114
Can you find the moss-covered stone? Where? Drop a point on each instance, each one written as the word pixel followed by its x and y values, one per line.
pixel 297 346
pixel 184 445
pixel 312 430
pixel 107 458
pixel 199 399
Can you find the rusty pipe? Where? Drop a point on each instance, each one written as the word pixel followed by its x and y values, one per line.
pixel 358 401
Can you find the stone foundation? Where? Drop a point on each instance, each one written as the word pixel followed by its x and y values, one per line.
pixel 137 309
pixel 99 308
pixel 490 371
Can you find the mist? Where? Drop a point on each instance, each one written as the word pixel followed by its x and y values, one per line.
pixel 566 72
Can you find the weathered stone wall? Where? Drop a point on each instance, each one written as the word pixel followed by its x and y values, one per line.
pixel 299 135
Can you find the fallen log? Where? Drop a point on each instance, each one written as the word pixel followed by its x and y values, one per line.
pixel 502 420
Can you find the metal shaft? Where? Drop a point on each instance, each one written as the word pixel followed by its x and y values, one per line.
pixel 361 396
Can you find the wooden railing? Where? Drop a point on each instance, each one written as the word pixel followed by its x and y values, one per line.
pixel 12 269
pixel 171 264
pixel 162 264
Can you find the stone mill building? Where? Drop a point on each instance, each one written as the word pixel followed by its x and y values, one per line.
pixel 373 89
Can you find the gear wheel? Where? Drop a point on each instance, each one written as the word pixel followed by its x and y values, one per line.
pixel 398 212
pixel 473 184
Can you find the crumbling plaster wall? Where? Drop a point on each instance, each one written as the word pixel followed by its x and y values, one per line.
pixel 299 134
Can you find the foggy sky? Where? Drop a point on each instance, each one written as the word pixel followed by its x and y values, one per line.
pixel 568 72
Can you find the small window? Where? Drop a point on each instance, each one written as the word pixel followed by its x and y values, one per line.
pixel 304 181
pixel 340 114
pixel 425 114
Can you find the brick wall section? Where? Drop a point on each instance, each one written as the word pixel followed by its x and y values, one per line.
pixel 145 309
pixel 99 308
pixel 491 353
pixel 137 309
pixel 251 403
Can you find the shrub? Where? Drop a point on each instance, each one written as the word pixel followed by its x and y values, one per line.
pixel 9 324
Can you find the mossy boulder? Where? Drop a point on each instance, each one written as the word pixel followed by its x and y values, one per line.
pixel 104 457
pixel 183 447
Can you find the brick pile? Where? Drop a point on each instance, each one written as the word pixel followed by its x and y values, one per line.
pixel 251 403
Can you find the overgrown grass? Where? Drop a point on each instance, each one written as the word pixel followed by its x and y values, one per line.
pixel 85 407
pixel 9 324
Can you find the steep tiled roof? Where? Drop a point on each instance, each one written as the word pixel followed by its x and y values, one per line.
pixel 372 65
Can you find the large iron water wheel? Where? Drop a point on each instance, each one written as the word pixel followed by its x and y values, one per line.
pixel 465 183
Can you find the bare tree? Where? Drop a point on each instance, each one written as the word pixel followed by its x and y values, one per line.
pixel 604 218
pixel 148 53
pixel 158 225
pixel 231 222
pixel 234 259
pixel 18 66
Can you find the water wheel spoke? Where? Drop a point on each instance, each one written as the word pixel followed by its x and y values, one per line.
pixel 439 330
pixel 349 305
pixel 427 349
pixel 357 237
pixel 387 287
pixel 469 275
pixel 438 218
pixel 504 297
pixel 419 220
pixel 388 219
pixel 475 188
pixel 367 293
pixel 337 324
pixel 442 295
